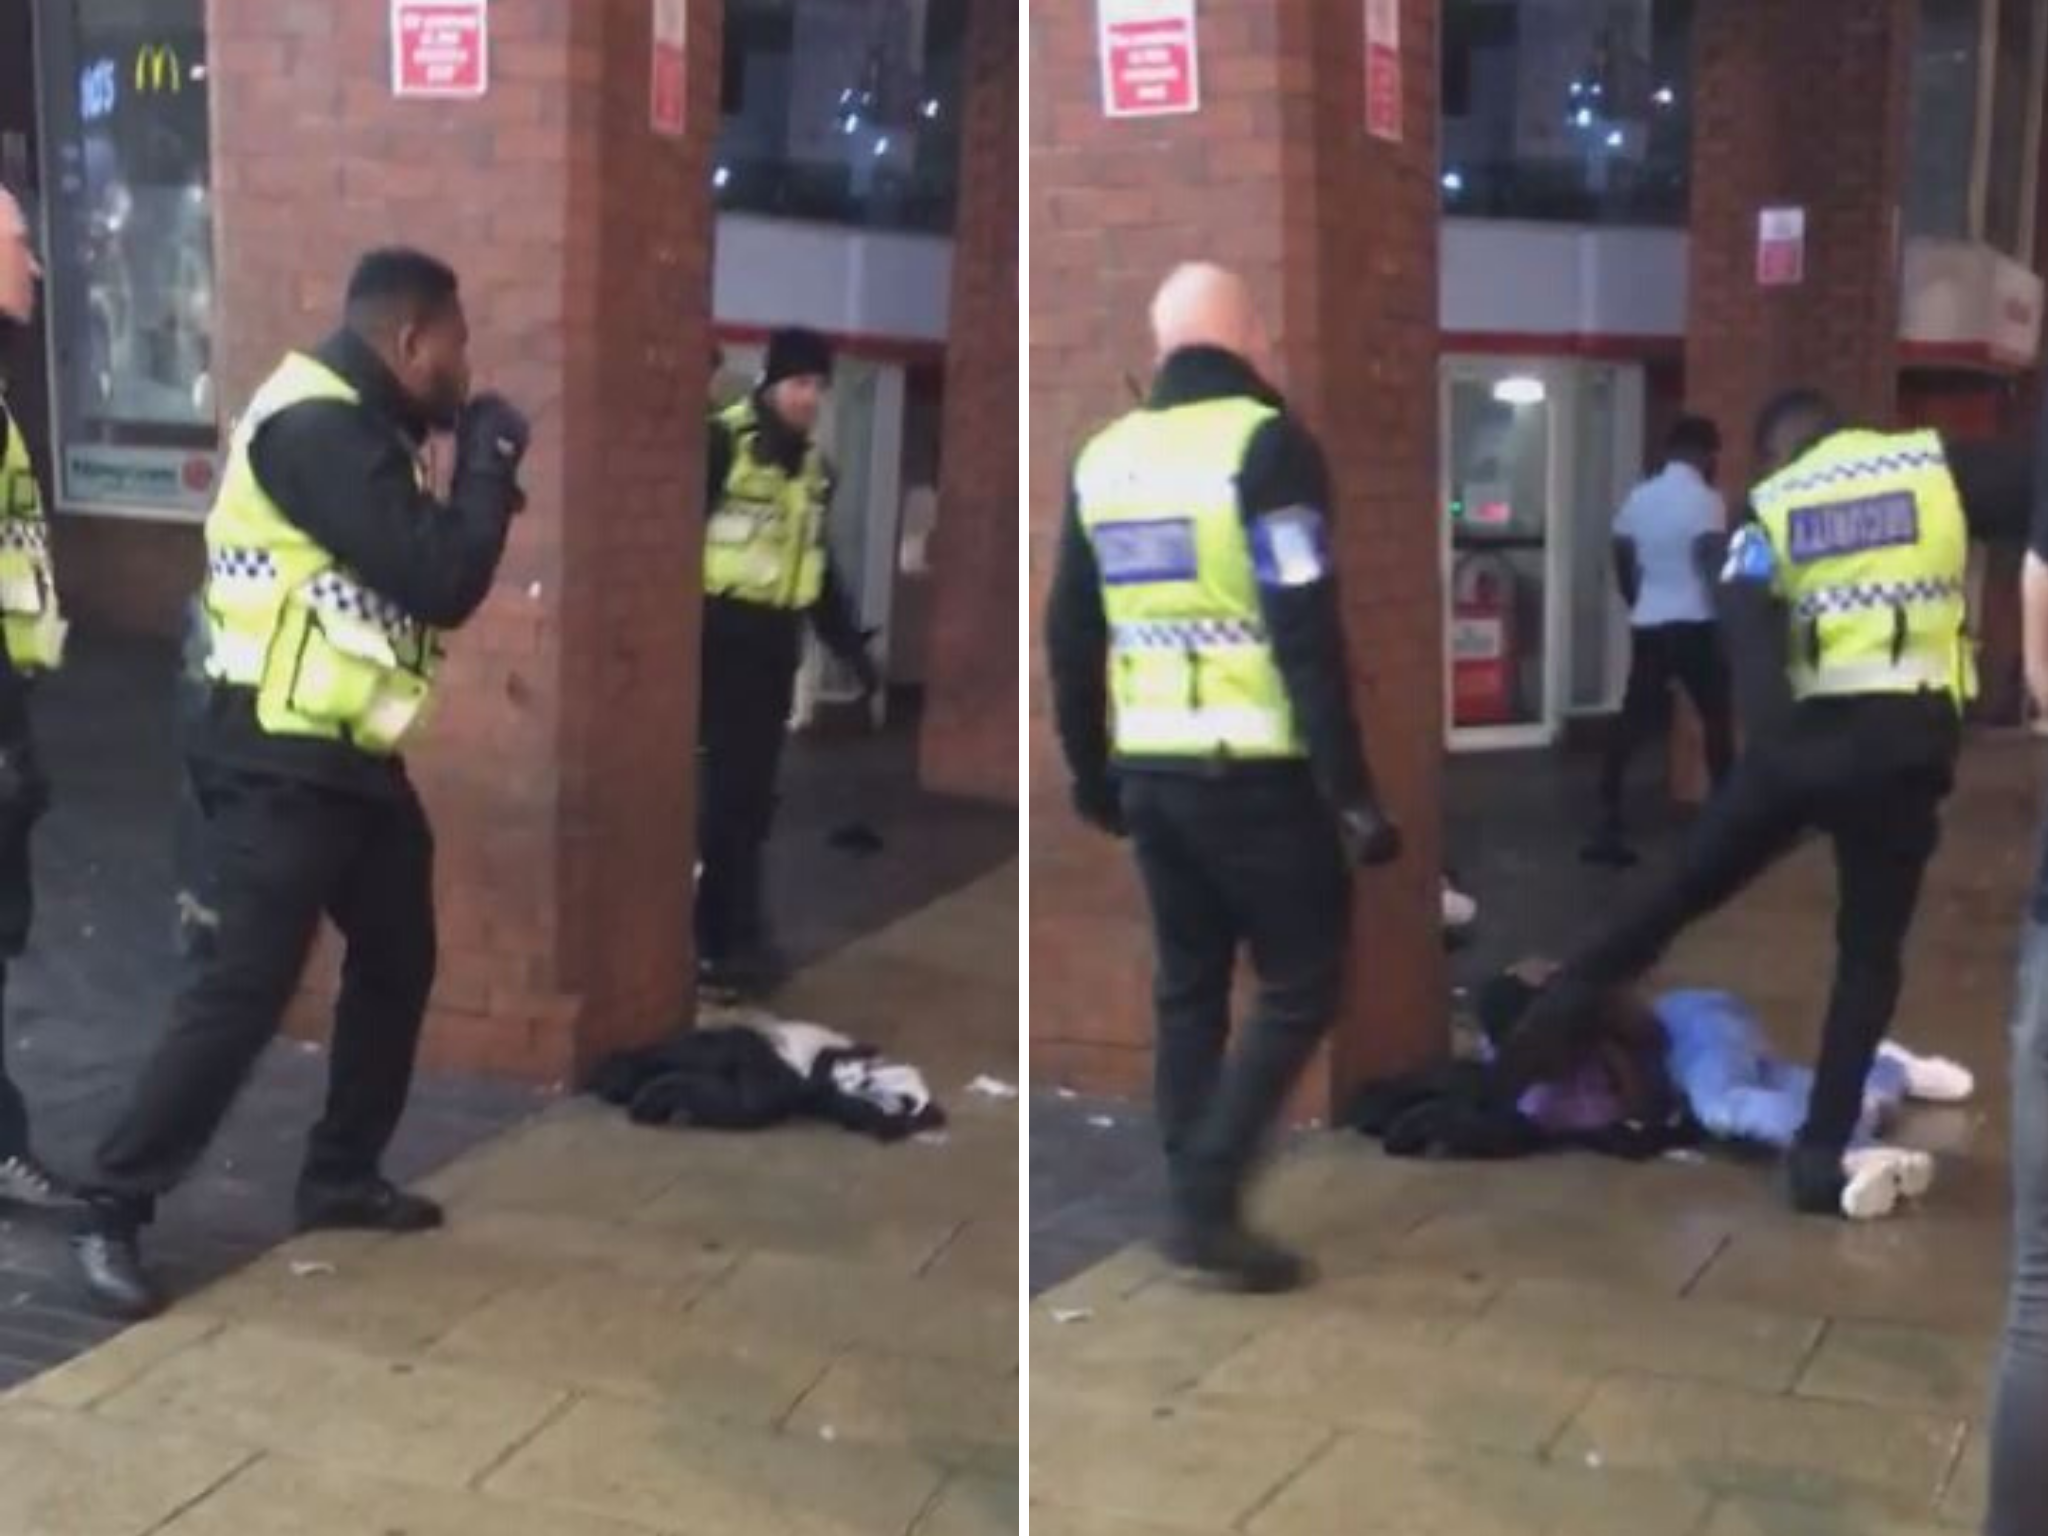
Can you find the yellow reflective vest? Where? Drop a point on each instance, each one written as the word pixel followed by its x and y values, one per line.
pixel 325 656
pixel 1192 668
pixel 1871 552
pixel 29 614
pixel 766 540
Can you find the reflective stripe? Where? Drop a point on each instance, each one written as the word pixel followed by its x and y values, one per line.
pixel 1888 465
pixel 1185 634
pixel 241 565
pixel 1239 728
pixel 236 658
pixel 28 536
pixel 1878 594
pixel 391 715
pixel 1906 675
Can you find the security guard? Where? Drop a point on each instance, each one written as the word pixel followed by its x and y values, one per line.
pixel 1202 702
pixel 1845 598
pixel 766 571
pixel 34 643
pixel 332 572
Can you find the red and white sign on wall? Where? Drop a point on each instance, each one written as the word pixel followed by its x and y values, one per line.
pixel 665 95
pixel 1383 69
pixel 1149 66
pixel 440 48
pixel 1780 247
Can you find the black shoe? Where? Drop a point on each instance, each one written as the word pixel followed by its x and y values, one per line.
pixel 26 1182
pixel 1610 850
pixel 110 1262
pixel 372 1205
pixel 1227 1256
pixel 1814 1181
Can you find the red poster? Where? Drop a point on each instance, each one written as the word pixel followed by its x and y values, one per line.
pixel 665 96
pixel 1383 69
pixel 1149 66
pixel 1781 247
pixel 440 48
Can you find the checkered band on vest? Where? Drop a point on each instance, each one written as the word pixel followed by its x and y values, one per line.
pixel 1878 466
pixel 1187 634
pixel 1864 596
pixel 337 594
pixel 241 565
pixel 26 535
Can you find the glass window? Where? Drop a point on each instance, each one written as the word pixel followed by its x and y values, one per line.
pixel 843 111
pixel 130 287
pixel 1942 146
pixel 1574 110
pixel 2013 89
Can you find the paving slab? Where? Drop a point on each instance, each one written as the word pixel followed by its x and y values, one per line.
pixel 1755 1518
pixel 1895 1365
pixel 952 1415
pixel 1367 1483
pixel 974 1506
pixel 275 1496
pixel 706 1479
pixel 1778 1448
pixel 72 1474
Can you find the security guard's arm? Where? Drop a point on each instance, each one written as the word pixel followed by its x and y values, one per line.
pixel 1757 629
pixel 349 483
pixel 1284 495
pixel 1077 656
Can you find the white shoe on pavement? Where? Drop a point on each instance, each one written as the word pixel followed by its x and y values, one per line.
pixel 1877 1179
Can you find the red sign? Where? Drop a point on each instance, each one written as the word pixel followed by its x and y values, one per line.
pixel 1149 64
pixel 665 94
pixel 1781 247
pixel 440 48
pixel 1383 69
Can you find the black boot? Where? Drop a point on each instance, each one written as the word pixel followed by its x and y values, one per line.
pixel 365 1205
pixel 1814 1181
pixel 1226 1255
pixel 108 1249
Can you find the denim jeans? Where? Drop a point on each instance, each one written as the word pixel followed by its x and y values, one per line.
pixel 2019 1426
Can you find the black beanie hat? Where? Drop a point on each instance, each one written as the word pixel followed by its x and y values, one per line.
pixel 795 352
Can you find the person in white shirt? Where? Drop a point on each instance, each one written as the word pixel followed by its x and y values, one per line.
pixel 1667 539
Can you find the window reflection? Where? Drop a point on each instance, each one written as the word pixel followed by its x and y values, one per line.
pixel 842 111
pixel 1574 110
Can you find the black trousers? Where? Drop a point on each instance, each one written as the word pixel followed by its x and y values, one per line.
pixel 17 908
pixel 1871 775
pixel 743 721
pixel 1662 656
pixel 280 854
pixel 1235 861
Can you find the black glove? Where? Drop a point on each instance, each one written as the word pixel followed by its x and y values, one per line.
pixel 491 439
pixel 1100 803
pixel 1370 839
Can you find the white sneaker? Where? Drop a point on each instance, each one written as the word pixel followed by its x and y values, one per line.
pixel 1932 1079
pixel 1459 910
pixel 24 1181
pixel 1877 1179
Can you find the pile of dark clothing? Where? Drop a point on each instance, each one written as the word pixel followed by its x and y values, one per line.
pixel 1615 1096
pixel 747 1077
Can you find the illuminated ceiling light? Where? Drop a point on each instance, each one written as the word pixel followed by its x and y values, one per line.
pixel 1454 181
pixel 1614 139
pixel 1664 96
pixel 1520 389
pixel 881 146
pixel 721 176
pixel 931 109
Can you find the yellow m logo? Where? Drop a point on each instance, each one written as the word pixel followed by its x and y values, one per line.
pixel 158 68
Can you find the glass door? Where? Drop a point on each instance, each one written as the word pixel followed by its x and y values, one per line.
pixel 1503 469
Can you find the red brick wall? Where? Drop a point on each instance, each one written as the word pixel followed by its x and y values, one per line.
pixel 970 737
pixel 559 773
pixel 1803 105
pixel 127 577
pixel 1337 235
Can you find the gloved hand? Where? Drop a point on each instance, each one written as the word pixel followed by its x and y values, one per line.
pixel 1100 803
pixel 492 438
pixel 1370 839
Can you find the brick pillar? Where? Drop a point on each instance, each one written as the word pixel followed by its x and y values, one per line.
pixel 1337 234
pixel 970 732
pixel 559 772
pixel 1803 105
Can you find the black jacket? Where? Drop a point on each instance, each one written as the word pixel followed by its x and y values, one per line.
pixel 731 625
pixel 345 474
pixel 1283 467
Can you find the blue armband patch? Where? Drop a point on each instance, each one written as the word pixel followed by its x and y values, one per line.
pixel 1291 547
pixel 1750 558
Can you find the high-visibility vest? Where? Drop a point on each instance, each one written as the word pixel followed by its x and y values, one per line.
pixel 1872 550
pixel 29 614
pixel 325 656
pixel 766 540
pixel 1192 668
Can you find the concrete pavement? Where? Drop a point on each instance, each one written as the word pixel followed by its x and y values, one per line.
pixel 1580 1347
pixel 622 1332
